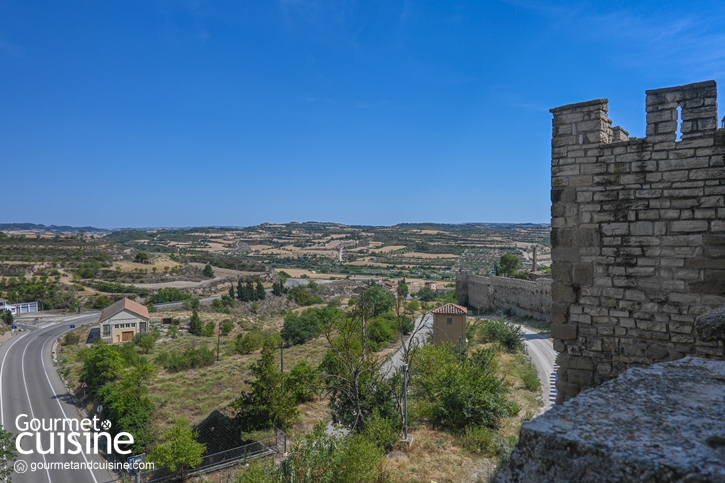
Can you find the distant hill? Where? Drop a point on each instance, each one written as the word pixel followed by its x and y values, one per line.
pixel 49 228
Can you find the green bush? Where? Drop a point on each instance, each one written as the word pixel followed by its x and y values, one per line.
pixel 260 471
pixel 249 342
pixel 509 336
pixel 379 333
pixel 183 360
pixel 359 461
pixel 303 381
pixel 101 302
pixel 226 327
pixel 303 296
pixel 71 338
pixel 208 330
pixel 383 432
pixel 302 328
pixel 169 294
pixel 462 394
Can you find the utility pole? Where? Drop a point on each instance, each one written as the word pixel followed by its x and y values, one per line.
pixel 362 308
pixel 218 340
pixel 405 402
pixel 281 356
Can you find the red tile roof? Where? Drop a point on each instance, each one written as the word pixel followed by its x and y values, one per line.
pixel 452 309
pixel 124 304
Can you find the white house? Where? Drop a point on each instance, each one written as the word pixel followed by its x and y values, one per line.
pixel 123 320
pixel 21 308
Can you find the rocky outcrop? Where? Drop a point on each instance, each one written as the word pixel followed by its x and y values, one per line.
pixel 711 326
pixel 662 424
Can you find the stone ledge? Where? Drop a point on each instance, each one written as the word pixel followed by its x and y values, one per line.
pixel 662 424
pixel 711 326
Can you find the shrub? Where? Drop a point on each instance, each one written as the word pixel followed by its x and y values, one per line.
pixel 71 338
pixel 383 432
pixel 249 342
pixel 485 441
pixel 169 294
pixel 102 302
pixel 188 359
pixel 303 381
pixel 302 328
pixel 379 332
pixel 509 336
pixel 226 327
pixel 303 296
pixel 208 330
pixel 359 461
pixel 462 394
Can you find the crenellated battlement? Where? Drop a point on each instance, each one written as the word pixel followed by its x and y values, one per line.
pixel 638 234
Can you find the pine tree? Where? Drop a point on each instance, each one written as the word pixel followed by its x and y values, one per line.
pixel 260 290
pixel 195 327
pixel 241 293
pixel 251 293
pixel 231 292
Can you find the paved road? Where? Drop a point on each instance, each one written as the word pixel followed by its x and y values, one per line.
pixel 422 330
pixel 543 356
pixel 30 385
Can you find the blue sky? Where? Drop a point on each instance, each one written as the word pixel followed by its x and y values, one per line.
pixel 187 113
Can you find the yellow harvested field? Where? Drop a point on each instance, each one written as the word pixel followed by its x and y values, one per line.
pixel 375 244
pixel 260 247
pixel 430 255
pixel 390 248
pixel 360 263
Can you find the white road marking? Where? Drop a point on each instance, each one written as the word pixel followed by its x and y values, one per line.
pixel 25 383
pixel 61 407
pixel 2 366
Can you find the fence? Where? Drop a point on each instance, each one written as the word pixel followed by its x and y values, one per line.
pixel 217 461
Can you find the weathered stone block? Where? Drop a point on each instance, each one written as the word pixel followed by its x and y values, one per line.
pixel 563 331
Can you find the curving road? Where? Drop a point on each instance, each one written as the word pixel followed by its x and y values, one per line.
pixel 30 385
pixel 543 356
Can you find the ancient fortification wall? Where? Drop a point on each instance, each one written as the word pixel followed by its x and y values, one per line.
pixel 638 235
pixel 532 299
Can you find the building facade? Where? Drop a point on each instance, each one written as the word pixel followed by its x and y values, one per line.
pixel 122 321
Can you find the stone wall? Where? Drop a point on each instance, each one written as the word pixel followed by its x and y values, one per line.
pixel 638 235
pixel 522 297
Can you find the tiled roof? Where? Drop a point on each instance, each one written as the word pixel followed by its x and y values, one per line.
pixel 124 304
pixel 452 309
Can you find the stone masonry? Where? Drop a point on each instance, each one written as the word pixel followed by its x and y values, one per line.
pixel 522 297
pixel 638 235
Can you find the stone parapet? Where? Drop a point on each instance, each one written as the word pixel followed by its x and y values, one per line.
pixel 661 424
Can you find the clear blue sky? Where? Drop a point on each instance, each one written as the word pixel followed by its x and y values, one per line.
pixel 187 113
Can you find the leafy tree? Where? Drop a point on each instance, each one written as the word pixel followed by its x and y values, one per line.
pixel 509 336
pixel 303 296
pixel 261 294
pixel 303 381
pixel 249 342
pixel 377 301
pixel 180 451
pixel 146 342
pixel 208 271
pixel 142 257
pixel 195 326
pixel 102 302
pixel 226 327
pixel 508 264
pixel 7 454
pixel 402 289
pixel 8 317
pixel 129 406
pixel 426 294
pixel 302 328
pixel 195 303
pixel 102 363
pixel 268 403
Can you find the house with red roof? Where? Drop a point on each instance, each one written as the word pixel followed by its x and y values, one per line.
pixel 121 321
pixel 449 323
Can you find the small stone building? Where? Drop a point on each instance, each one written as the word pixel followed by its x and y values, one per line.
pixel 123 320
pixel 449 323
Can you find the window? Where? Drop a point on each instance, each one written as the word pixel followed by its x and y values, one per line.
pixel 106 330
pixel 142 326
pixel 450 320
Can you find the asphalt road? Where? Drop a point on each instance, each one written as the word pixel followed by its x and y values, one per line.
pixel 543 356
pixel 29 384
pixel 421 332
